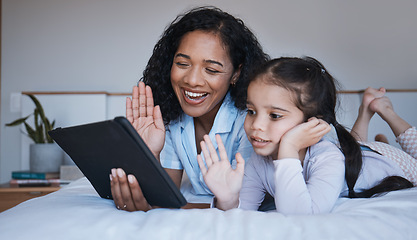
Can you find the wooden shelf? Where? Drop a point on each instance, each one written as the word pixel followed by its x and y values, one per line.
pixel 11 196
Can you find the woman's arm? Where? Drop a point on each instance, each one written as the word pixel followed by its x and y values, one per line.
pixel 147 120
pixel 176 176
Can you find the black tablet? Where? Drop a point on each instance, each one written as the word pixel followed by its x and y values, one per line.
pixel 98 147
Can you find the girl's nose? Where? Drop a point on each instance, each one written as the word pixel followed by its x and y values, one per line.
pixel 258 123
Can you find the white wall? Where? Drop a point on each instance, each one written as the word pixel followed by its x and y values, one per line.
pixel 103 45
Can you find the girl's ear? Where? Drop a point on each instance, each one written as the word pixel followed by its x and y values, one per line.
pixel 236 75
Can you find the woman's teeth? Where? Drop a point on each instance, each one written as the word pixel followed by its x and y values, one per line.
pixel 194 95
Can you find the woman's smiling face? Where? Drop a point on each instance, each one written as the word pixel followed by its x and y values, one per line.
pixel 201 73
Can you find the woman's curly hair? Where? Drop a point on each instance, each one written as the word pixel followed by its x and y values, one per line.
pixel 243 47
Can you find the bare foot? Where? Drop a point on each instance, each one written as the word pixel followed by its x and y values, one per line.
pixel 382 106
pixel 365 113
pixel 370 95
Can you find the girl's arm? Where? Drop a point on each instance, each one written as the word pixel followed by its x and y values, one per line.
pixel 223 181
pixel 257 172
pixel 317 189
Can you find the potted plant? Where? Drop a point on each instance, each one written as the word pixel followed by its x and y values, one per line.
pixel 45 155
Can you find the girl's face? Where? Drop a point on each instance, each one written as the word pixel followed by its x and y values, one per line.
pixel 201 73
pixel 271 113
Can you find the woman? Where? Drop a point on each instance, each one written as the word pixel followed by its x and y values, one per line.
pixel 199 67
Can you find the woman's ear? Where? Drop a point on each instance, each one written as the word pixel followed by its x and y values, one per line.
pixel 236 75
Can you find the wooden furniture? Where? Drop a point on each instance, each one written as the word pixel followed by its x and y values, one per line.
pixel 12 196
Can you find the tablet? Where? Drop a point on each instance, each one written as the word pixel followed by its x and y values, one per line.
pixel 98 147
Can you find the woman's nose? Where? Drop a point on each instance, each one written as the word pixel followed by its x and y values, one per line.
pixel 194 77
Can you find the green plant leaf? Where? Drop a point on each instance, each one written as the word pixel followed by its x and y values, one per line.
pixel 39 107
pixel 39 134
pixel 39 126
pixel 50 128
pixel 17 122
pixel 36 119
pixel 31 133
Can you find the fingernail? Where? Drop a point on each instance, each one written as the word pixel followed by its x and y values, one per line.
pixel 113 172
pixel 130 178
pixel 120 172
pixel 111 178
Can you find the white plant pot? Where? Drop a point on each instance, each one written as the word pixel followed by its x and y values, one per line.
pixel 45 157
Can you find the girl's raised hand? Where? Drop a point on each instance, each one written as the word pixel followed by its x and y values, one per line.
pixel 146 118
pixel 301 137
pixel 222 180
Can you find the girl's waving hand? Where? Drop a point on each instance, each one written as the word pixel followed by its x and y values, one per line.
pixel 224 181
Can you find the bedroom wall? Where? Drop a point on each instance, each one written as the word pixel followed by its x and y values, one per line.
pixel 103 45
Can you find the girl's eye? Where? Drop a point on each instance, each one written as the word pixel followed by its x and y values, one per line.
pixel 250 112
pixel 275 116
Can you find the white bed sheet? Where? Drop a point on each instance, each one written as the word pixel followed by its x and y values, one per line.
pixel 77 212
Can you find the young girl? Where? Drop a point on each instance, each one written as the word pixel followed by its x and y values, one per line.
pixel 289 102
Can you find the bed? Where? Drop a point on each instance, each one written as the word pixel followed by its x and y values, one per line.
pixel 77 212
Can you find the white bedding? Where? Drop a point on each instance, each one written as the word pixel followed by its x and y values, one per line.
pixel 77 212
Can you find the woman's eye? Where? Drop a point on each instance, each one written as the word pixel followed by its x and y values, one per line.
pixel 181 64
pixel 210 70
